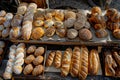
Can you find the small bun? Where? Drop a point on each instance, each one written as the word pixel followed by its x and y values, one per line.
pixel 96 10
pixel 101 33
pixel 37 33
pixel 70 14
pixel 39 51
pixel 17 69
pixel 29 59
pixel 61 32
pixel 72 33
pixel 59 24
pixel 38 60
pixel 85 34
pixel 50 31
pixel 48 16
pixel 59 15
pixel 48 23
pixel 28 69
pixel 38 23
pixel 38 70
pixel 69 22
pixel 2 13
pixel 31 49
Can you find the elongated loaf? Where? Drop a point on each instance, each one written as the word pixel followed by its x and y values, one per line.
pixel 93 62
pixel 83 65
pixel 66 61
pixel 74 69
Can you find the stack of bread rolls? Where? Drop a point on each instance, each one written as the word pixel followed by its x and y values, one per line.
pixel 16 23
pixel 16 60
pixel 113 20
pixel 27 21
pixel 77 25
pixel 98 22
pixel 5 23
pixel 34 60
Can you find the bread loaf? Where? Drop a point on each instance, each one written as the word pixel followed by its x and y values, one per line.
pixel 94 62
pixel 50 58
pixel 83 65
pixel 66 61
pixel 58 58
pixel 74 69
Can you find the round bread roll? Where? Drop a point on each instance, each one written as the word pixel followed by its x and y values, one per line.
pixel 5 32
pixel 70 14
pixel 17 69
pixel 38 70
pixel 2 44
pixel 95 10
pixel 50 31
pixel 39 51
pixel 69 22
pixel 61 32
pixel 116 33
pixel 29 59
pixel 1 51
pixel 79 24
pixel 31 49
pixel 2 13
pixel 38 23
pixel 38 60
pixel 28 69
pixel 59 24
pixel 7 75
pixel 72 33
pixel 37 33
pixel 85 34
pixel 9 16
pixel 59 15
pixel 101 33
pixel 48 16
pixel 48 23
pixel 87 25
pixel 1 27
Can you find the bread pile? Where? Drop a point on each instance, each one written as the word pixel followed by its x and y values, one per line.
pixel 16 60
pixel 2 46
pixel 77 25
pixel 79 62
pixel 5 23
pixel 113 19
pixel 112 63
pixel 97 20
pixel 22 21
pixel 34 60
pixel 48 23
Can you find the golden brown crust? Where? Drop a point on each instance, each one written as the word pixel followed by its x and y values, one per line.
pixel 38 23
pixel 116 33
pixel 96 10
pixel 110 64
pixel 117 57
pixel 37 33
pixel 74 69
pixel 38 70
pixel 50 31
pixel 29 59
pixel 93 62
pixel 39 51
pixel 50 58
pixel 59 15
pixel 66 61
pixel 28 69
pixel 31 49
pixel 70 14
pixel 58 58
pixel 61 32
pixel 38 60
pixel 101 33
pixel 83 65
